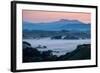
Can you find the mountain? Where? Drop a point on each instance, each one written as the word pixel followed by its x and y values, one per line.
pixel 82 52
pixel 62 24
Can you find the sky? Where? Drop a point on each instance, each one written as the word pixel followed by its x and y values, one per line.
pixel 49 16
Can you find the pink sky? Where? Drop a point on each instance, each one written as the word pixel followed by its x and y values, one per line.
pixel 47 16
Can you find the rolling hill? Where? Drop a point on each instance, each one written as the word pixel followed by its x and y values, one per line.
pixel 63 24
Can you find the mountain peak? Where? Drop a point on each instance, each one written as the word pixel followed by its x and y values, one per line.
pixel 64 20
pixel 67 20
pixel 70 21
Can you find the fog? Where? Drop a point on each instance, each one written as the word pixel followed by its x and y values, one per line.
pixel 59 47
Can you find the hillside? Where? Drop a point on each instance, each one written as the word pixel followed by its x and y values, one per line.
pixel 63 24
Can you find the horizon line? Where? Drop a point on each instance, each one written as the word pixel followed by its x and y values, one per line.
pixel 56 21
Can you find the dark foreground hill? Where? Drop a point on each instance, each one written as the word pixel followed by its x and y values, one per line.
pixel 81 52
pixel 31 54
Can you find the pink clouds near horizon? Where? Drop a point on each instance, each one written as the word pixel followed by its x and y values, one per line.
pixel 47 16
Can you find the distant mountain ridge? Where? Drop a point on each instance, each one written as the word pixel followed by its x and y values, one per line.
pixel 62 24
